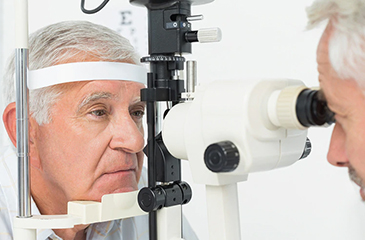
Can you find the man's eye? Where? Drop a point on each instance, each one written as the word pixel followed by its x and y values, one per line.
pixel 98 113
pixel 138 114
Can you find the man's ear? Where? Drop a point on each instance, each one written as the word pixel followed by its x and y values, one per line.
pixel 9 119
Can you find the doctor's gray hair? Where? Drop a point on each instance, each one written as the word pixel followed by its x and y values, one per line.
pixel 347 43
pixel 66 42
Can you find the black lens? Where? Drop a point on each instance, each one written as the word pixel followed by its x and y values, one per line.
pixel 312 109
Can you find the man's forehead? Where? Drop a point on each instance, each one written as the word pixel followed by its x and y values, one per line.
pixel 113 90
pixel 86 71
pixel 98 95
pixel 116 90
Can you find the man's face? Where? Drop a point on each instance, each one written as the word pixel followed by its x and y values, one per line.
pixel 346 99
pixel 93 144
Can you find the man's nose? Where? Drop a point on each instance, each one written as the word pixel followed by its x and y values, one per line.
pixel 127 134
pixel 337 150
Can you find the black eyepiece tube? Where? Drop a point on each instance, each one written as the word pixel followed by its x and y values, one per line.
pixel 312 109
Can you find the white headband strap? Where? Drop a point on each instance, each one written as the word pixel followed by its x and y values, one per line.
pixel 86 71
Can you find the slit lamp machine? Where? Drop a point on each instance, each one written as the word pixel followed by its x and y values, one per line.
pixel 225 129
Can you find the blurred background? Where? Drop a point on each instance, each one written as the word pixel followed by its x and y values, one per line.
pixel 261 39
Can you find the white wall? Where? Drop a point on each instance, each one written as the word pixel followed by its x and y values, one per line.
pixel 2 57
pixel 261 39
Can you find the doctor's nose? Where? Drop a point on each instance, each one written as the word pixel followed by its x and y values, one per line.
pixel 127 135
pixel 337 152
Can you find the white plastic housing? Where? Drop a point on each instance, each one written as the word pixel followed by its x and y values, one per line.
pixel 223 212
pixel 169 223
pixel 238 112
pixel 112 206
pixel 282 107
pixel 21 23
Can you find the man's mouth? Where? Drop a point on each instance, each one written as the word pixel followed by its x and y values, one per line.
pixel 117 173
pixel 116 181
pixel 122 171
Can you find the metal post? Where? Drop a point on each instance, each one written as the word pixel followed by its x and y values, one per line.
pixel 22 133
pixel 21 65
pixel 191 76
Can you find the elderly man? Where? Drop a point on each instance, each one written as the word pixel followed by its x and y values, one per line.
pixel 341 67
pixel 86 137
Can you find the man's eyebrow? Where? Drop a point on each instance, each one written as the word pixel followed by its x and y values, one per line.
pixel 94 97
pixel 137 100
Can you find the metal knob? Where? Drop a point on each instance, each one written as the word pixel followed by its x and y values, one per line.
pixel 195 18
pixel 204 35
pixel 207 35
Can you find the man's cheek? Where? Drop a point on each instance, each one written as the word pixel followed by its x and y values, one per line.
pixel 356 154
pixel 140 127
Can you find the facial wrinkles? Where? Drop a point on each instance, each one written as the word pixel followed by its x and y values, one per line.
pixel 324 65
pixel 94 97
pixel 96 129
pixel 124 124
pixel 336 90
pixel 117 110
pixel 119 116
pixel 95 101
pixel 112 160
pixel 343 90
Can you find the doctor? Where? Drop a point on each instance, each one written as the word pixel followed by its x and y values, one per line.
pixel 341 67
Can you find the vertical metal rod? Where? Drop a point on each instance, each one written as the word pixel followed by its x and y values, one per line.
pixel 22 138
pixel 151 126
pixel 21 77
pixel 191 75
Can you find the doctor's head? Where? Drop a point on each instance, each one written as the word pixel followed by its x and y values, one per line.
pixel 86 137
pixel 341 67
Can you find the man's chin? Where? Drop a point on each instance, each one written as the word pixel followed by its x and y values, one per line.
pixel 125 189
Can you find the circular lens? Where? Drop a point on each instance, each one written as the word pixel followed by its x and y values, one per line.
pixel 215 158
pixel 312 109
pixel 320 110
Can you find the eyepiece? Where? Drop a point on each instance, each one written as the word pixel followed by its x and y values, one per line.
pixel 312 109
pixel 297 107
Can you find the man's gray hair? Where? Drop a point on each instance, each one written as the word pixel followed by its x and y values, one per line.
pixel 347 43
pixel 64 42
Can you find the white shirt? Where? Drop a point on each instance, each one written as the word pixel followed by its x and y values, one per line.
pixel 135 228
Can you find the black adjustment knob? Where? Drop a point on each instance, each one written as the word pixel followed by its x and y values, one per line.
pixel 186 191
pixel 222 157
pixel 151 199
